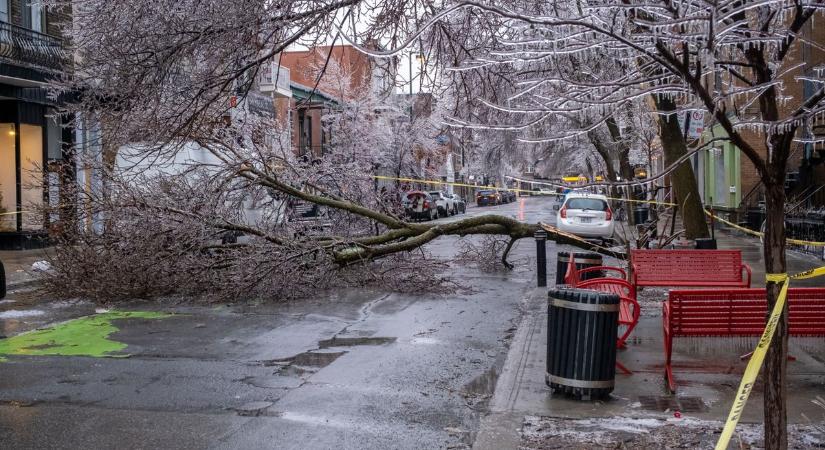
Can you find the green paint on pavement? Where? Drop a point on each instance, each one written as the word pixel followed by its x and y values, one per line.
pixel 86 336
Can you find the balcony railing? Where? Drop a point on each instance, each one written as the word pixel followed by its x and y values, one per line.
pixel 273 77
pixel 23 45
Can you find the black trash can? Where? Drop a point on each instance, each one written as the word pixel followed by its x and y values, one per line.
pixel 755 217
pixel 640 214
pixel 705 244
pixel 583 261
pixel 581 342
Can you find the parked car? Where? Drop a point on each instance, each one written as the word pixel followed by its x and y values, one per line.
pixel 585 215
pixel 444 203
pixel 421 206
pixel 459 204
pixel 487 197
pixel 511 195
pixel 503 196
pixel 546 191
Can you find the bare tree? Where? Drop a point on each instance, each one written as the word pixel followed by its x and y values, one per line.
pixel 163 73
pixel 739 61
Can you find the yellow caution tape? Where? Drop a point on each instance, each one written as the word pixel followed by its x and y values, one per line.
pixel 573 237
pixel 758 356
pixel 449 183
pixel 813 273
pixel 653 202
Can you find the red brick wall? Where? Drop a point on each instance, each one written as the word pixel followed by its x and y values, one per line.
pixel 794 89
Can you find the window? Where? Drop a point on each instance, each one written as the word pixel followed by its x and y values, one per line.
pixel 8 178
pixel 54 138
pixel 4 10
pixel 592 204
pixel 31 175
pixel 34 17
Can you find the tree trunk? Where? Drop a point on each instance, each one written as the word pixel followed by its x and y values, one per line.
pixel 685 189
pixel 604 151
pixel 776 414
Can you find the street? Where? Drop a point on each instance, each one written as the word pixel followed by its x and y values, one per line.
pixel 350 369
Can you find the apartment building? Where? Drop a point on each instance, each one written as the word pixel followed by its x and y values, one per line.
pixel 347 74
pixel 31 52
pixel 730 181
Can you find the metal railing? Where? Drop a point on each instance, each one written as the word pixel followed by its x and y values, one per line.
pixel 28 46
pixel 273 77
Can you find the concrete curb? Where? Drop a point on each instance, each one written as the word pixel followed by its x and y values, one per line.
pixel 500 428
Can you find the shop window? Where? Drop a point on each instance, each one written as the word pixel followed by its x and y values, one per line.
pixel 31 175
pixel 8 178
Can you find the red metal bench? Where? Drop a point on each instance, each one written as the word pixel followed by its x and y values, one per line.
pixel 628 306
pixel 735 312
pixel 700 268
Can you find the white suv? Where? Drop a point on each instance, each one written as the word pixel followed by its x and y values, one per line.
pixel 444 202
pixel 585 215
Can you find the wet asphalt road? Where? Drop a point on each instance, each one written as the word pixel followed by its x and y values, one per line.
pixel 351 369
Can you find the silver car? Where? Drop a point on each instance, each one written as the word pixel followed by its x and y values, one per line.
pixel 585 215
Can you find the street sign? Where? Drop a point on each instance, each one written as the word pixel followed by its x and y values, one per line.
pixel 696 124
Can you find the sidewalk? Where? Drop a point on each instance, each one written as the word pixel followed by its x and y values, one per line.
pixel 641 412
pixel 18 265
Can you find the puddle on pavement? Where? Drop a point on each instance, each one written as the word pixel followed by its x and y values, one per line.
pixel 315 359
pixel 294 367
pixel 306 359
pixel 663 403
pixel 482 385
pixel 355 341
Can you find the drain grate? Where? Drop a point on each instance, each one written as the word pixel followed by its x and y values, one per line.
pixel 666 403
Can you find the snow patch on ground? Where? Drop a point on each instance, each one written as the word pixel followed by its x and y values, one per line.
pixel 61 304
pixel 18 314
pixel 627 432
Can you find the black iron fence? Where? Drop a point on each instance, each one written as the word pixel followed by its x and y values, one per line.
pixel 28 46
pixel 804 225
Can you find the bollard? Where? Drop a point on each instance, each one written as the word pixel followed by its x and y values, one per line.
pixel 541 257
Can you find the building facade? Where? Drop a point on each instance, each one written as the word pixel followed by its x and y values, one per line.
pixel 732 177
pixel 345 75
pixel 31 133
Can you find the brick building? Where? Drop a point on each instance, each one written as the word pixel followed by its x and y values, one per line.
pixel 730 180
pixel 349 74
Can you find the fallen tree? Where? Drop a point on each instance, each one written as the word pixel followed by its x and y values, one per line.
pixel 225 222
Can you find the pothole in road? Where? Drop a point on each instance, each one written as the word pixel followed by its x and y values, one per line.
pixel 307 359
pixel 254 409
pixel 355 341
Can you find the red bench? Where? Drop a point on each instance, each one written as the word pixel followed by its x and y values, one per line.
pixel 628 306
pixel 699 268
pixel 735 312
